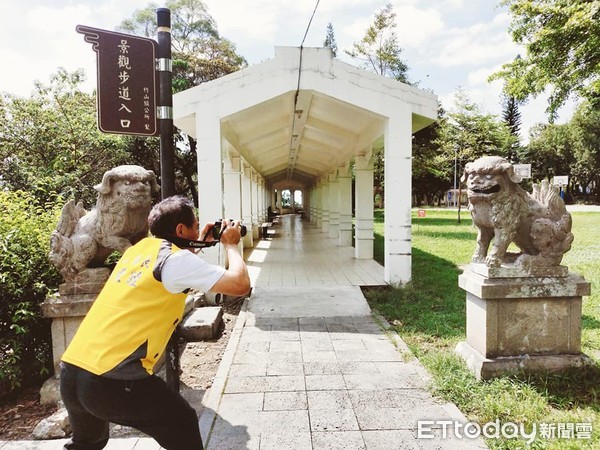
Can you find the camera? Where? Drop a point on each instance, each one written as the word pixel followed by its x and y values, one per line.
pixel 216 229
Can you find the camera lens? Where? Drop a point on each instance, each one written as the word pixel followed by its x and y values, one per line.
pixel 216 230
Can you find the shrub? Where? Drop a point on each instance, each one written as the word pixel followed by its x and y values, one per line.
pixel 26 277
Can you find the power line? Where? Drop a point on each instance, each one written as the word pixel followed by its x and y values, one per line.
pixel 309 23
pixel 291 169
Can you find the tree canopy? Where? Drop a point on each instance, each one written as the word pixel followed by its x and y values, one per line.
pixel 561 39
pixel 378 50
pixel 200 54
pixel 571 149
pixel 50 143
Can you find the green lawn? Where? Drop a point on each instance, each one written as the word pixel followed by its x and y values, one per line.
pixel 429 314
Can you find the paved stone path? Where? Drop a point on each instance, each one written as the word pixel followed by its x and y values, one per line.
pixel 330 378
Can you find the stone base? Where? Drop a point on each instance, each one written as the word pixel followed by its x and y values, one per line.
pixel 512 271
pixel 512 316
pixel 485 368
pixel 88 281
pixel 202 324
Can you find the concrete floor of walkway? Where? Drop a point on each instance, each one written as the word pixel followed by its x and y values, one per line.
pixel 308 366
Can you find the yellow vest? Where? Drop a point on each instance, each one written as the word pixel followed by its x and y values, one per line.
pixel 131 321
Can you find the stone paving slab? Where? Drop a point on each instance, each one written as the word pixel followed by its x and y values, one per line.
pixel 327 381
pixel 320 301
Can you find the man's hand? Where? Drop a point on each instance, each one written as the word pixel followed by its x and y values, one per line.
pixel 230 234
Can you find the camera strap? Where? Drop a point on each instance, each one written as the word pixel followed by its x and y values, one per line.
pixel 189 243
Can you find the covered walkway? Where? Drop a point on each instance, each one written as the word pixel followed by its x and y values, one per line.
pixel 306 122
pixel 299 253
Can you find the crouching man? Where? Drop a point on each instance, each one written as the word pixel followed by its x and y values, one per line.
pixel 107 370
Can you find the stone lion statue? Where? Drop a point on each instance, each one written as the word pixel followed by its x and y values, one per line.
pixel 120 219
pixel 538 223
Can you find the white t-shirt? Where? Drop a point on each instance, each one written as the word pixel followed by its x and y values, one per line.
pixel 184 270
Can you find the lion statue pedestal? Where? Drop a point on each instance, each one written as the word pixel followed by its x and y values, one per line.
pixel 523 309
pixel 519 322
pixel 69 307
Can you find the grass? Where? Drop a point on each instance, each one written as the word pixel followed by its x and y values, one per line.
pixel 429 314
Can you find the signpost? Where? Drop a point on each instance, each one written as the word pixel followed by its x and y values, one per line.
pixel 126 81
pixel 523 170
pixel 127 104
pixel 560 180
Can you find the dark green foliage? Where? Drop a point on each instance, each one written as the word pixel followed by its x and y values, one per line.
pixel 26 278
pixel 50 142
pixel 561 40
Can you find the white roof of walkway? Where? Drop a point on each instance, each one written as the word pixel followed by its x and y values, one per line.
pixel 300 116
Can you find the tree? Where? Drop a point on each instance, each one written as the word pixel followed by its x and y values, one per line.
pixel 200 54
pixel 512 118
pixel 468 134
pixel 511 114
pixel 550 151
pixel 561 38
pixel 474 134
pixel 378 50
pixel 50 143
pixel 26 279
pixel 330 40
pixel 430 174
pixel 571 149
pixel 585 136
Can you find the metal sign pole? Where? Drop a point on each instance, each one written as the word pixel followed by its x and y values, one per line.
pixel 167 168
pixel 165 102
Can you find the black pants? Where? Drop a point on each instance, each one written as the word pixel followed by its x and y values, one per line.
pixel 148 405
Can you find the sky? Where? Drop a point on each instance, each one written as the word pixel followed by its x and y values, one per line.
pixel 447 44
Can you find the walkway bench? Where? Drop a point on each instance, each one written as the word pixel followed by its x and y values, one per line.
pixel 265 229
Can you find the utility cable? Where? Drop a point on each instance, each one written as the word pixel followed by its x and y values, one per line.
pixel 291 169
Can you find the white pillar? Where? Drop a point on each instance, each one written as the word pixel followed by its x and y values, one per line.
pixel 247 204
pixel 273 198
pixel 345 206
pixel 364 208
pixel 334 213
pixel 325 206
pixel 319 205
pixel 313 203
pixel 232 192
pixel 261 199
pixel 210 175
pixel 255 224
pixel 306 202
pixel 278 200
pixel 398 173
pixel 210 185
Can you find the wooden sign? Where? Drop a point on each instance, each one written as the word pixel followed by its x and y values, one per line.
pixel 126 69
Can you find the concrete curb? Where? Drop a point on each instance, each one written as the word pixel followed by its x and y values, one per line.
pixel 449 407
pixel 212 400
